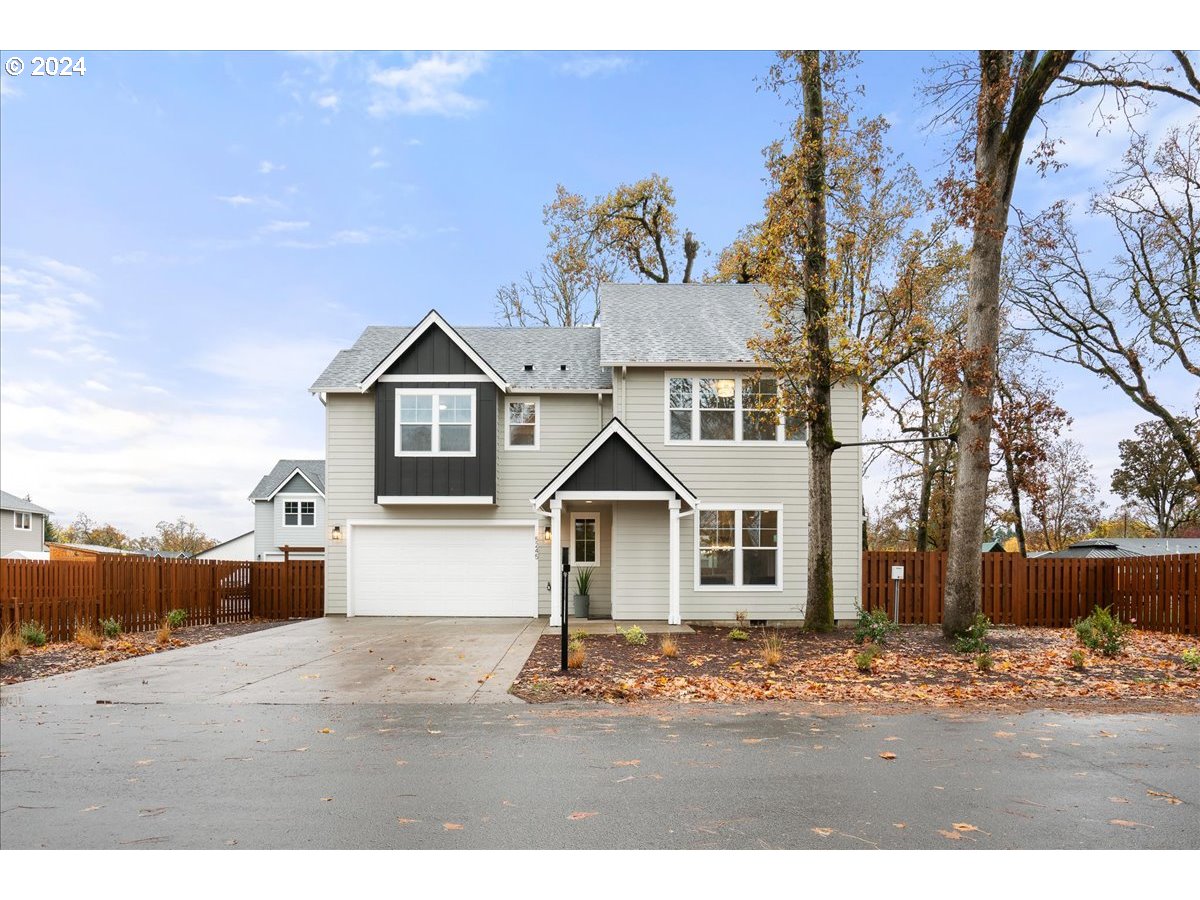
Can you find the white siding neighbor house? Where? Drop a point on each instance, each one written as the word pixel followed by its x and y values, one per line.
pixel 462 462
pixel 238 548
pixel 22 528
pixel 289 511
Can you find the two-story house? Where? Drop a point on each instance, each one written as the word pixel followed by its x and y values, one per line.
pixel 461 461
pixel 289 511
pixel 22 528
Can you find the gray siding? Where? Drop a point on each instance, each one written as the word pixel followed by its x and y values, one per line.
pixel 568 422
pixel 270 533
pixel 296 485
pixel 13 539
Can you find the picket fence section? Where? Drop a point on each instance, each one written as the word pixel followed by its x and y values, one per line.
pixel 138 592
pixel 1159 593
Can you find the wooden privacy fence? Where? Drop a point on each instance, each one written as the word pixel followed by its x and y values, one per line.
pixel 1160 593
pixel 139 592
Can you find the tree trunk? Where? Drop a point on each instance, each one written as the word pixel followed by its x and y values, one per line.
pixel 1014 494
pixel 818 614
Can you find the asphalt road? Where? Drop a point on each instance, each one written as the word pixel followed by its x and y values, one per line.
pixel 414 776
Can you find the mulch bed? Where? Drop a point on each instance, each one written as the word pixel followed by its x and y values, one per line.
pixel 56 658
pixel 1031 666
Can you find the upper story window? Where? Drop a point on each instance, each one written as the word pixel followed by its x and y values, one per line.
pixel 299 512
pixel 728 409
pixel 521 424
pixel 435 422
pixel 22 521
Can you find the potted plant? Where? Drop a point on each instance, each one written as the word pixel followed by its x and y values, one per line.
pixel 583 581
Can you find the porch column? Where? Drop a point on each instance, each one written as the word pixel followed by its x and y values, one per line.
pixel 673 617
pixel 555 561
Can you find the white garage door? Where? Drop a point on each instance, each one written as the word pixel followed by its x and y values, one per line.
pixel 443 570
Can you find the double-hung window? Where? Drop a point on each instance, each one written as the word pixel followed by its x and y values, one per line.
pixel 435 422
pixel 738 549
pixel 299 512
pixel 22 521
pixel 521 424
pixel 732 408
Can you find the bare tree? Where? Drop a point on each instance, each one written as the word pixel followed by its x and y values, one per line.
pixel 1127 322
pixel 1068 509
pixel 554 295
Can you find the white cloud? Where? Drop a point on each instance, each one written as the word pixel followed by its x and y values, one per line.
pixel 591 66
pixel 430 86
pixel 93 385
pixel 266 167
pixel 330 100
pixel 350 236
pixel 8 89
pixel 278 226
pixel 238 200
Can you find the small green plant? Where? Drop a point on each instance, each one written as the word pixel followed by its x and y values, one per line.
pixel 32 633
pixel 864 659
pixel 739 635
pixel 1078 659
pixel 583 579
pixel 974 639
pixel 176 617
pixel 110 627
pixel 1191 658
pixel 984 662
pixel 1102 631
pixel 579 636
pixel 633 635
pixel 874 626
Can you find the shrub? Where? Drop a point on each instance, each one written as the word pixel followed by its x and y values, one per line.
pixel 87 636
pixel 1102 631
pixel 974 639
pixel 772 648
pixel 578 635
pixel 1078 659
pixel 864 659
pixel 32 634
pixel 669 646
pixel 739 634
pixel 983 662
pixel 111 628
pixel 576 654
pixel 742 617
pixel 176 618
pixel 633 635
pixel 163 635
pixel 10 644
pixel 874 626
pixel 1191 658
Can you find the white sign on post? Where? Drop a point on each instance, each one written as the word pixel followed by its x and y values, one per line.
pixel 897 573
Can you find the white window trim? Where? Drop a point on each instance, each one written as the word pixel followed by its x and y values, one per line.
pixel 19 517
pixel 737 585
pixel 594 518
pixel 297 498
pixel 537 424
pixel 436 394
pixel 737 378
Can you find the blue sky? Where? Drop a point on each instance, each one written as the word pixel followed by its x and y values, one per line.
pixel 187 238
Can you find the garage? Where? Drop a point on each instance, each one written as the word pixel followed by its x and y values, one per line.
pixel 443 568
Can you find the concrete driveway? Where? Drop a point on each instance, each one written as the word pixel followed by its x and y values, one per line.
pixel 331 660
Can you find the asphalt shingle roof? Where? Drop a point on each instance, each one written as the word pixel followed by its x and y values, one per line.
pixel 313 469
pixel 666 323
pixel 507 350
pixel 12 501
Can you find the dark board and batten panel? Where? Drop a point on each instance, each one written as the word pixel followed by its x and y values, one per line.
pixel 431 476
pixel 615 466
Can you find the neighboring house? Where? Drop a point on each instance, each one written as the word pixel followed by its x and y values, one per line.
pixel 459 461
pixel 238 548
pixel 992 547
pixel 1100 548
pixel 22 527
pixel 289 511
pixel 62 550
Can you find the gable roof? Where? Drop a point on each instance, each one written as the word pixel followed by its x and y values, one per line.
pixel 313 471
pixel 680 323
pixel 13 502
pixel 507 350
pixel 614 429
pixel 432 320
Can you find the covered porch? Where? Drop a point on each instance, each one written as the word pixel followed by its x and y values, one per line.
pixel 616 509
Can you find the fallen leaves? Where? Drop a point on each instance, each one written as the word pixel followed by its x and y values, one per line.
pixel 324 731
pixel 887 755
pixel 576 816
pixel 1170 798
pixel 824 832
pixel 452 826
pixel 1028 755
pixel 626 762
pixel 950 835
pixel 1004 734
pixel 401 821
pixel 1125 823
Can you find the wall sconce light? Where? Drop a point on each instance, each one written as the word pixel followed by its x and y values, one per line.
pixel 335 533
pixel 546 534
